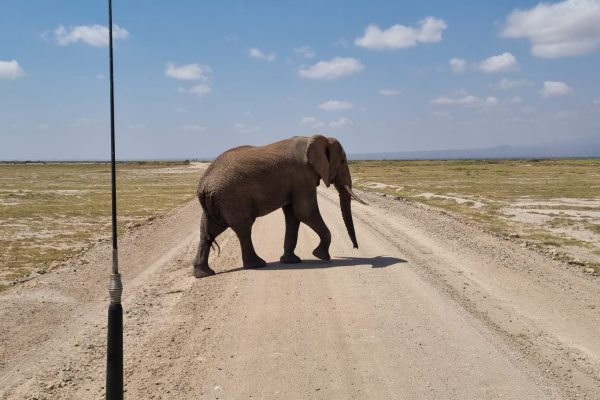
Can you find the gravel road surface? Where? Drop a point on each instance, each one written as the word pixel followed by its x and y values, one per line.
pixel 427 308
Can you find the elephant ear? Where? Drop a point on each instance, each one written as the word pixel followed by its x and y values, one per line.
pixel 317 154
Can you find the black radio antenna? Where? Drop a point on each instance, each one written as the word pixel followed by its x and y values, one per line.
pixel 114 347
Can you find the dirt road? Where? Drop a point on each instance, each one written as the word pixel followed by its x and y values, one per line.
pixel 427 308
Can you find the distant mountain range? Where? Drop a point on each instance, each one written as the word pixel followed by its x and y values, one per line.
pixel 588 147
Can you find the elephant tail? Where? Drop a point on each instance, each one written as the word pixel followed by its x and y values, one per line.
pixel 209 208
pixel 213 244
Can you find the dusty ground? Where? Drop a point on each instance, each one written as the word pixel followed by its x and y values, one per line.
pixel 427 308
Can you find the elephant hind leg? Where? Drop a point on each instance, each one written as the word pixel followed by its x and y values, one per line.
pixel 209 230
pixel 249 256
pixel 292 223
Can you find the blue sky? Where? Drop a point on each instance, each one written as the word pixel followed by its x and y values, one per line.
pixel 195 78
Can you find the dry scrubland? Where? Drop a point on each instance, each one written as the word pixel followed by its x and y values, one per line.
pixel 552 205
pixel 49 211
pixel 52 211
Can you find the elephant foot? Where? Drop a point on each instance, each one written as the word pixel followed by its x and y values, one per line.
pixel 321 254
pixel 290 259
pixel 258 263
pixel 201 272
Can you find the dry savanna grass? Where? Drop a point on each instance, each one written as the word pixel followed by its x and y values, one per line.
pixel 551 204
pixel 49 211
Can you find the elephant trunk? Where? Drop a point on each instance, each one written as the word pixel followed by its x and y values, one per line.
pixel 345 198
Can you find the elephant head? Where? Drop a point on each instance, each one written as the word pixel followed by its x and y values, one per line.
pixel 329 161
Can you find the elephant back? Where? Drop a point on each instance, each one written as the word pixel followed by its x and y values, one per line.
pixel 247 182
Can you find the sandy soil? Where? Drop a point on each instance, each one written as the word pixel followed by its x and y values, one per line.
pixel 581 215
pixel 427 308
pixel 455 198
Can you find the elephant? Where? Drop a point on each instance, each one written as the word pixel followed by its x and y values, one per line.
pixel 248 182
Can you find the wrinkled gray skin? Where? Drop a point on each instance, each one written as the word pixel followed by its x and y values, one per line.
pixel 248 182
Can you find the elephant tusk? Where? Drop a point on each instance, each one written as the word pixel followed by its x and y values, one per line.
pixel 355 197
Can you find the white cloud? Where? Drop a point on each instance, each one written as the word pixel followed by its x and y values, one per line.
pixel 100 76
pixel 388 92
pixel 501 63
pixel 181 110
pixel 312 122
pixel 243 128
pixel 596 102
pixel 563 29
pixel 508 84
pixel 491 101
pixel 10 70
pixel 556 89
pixel 193 128
pixel 446 100
pixel 429 30
pixel 259 55
pixel 333 69
pixel 335 105
pixel 189 72
pixel 458 65
pixel 462 98
pixel 304 51
pixel 341 123
pixel 200 90
pixel 95 35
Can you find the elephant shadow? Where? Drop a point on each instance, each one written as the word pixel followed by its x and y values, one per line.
pixel 374 262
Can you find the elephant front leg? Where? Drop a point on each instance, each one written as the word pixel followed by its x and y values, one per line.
pixel 249 256
pixel 316 223
pixel 292 223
